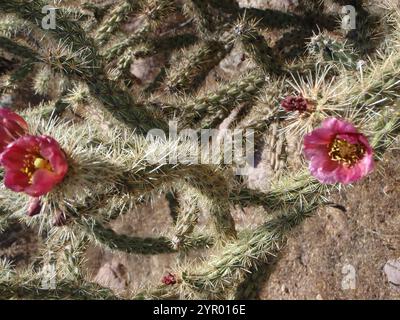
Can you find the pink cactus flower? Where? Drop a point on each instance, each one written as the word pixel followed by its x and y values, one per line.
pixel 338 152
pixel 12 126
pixel 33 165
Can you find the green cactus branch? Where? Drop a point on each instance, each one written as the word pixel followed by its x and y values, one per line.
pixel 187 215
pixel 198 11
pixel 262 124
pixel 120 47
pixel 17 76
pixel 138 245
pixel 276 19
pixel 123 108
pixel 208 186
pixel 17 49
pixel 115 19
pixel 379 84
pixel 65 290
pixel 31 284
pixel 211 108
pixel 119 103
pixel 116 101
pixel 287 192
pixel 66 29
pixel 256 46
pixel 161 292
pixel 20 30
pixel 141 46
pixel 5 219
pixel 330 50
pixel 197 64
pixel 6 65
pixel 386 130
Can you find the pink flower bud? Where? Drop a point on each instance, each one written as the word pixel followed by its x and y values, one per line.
pixel 294 103
pixel 34 207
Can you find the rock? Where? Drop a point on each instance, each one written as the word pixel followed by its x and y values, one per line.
pixel 259 176
pixel 147 69
pixel 305 258
pixel 135 24
pixel 284 289
pixel 392 271
pixel 235 62
pixel 269 4
pixel 113 275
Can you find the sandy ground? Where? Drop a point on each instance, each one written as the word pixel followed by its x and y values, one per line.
pixel 341 254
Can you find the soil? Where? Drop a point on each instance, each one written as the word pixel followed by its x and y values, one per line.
pixel 336 244
pixel 19 244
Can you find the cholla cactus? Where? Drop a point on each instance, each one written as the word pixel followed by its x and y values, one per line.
pixel 85 154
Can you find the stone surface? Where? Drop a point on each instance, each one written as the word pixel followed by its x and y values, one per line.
pixel 235 62
pixel 147 69
pixel 269 4
pixel 392 271
pixel 113 275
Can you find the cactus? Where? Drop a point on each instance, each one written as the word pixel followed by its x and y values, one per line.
pixel 103 121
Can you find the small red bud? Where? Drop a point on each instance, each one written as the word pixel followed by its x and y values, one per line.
pixel 34 207
pixel 294 103
pixel 169 279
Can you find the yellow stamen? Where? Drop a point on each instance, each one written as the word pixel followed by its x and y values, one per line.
pixel 345 152
pixel 40 163
pixel 32 163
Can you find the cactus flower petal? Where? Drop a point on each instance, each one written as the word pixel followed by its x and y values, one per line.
pixel 33 165
pixel 12 126
pixel 338 152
